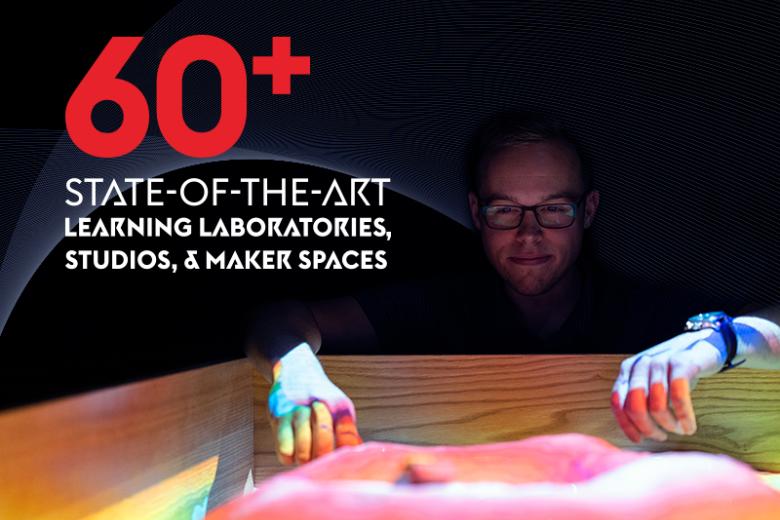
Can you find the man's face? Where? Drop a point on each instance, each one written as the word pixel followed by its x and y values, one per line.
pixel 530 258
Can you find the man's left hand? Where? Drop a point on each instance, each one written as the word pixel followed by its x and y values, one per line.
pixel 652 393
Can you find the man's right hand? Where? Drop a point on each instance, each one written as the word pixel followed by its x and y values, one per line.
pixel 310 416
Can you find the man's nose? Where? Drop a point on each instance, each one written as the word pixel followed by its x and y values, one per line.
pixel 529 227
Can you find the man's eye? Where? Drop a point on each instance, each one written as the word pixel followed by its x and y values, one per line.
pixel 499 210
pixel 555 209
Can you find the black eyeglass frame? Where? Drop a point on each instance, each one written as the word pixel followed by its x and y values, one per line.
pixel 574 205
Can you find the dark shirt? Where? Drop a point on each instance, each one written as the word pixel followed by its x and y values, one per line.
pixel 471 313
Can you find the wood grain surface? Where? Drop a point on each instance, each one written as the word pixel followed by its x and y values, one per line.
pixel 143 450
pixel 475 399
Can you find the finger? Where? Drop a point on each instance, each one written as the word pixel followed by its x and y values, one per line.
pixel 637 412
pixel 622 419
pixel 659 396
pixel 346 430
pixel 302 428
pixel 682 374
pixel 322 429
pixel 284 439
pixel 682 405
pixel 619 392
pixel 344 419
pixel 637 398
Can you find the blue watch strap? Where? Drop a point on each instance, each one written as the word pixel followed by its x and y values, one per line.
pixel 726 329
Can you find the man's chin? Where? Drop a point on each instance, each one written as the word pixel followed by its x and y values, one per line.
pixel 530 291
pixel 530 288
pixel 531 283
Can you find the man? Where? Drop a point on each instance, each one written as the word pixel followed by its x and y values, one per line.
pixel 531 201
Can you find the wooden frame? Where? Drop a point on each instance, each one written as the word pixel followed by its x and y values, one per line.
pixel 475 399
pixel 161 448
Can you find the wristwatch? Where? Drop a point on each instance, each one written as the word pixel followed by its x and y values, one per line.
pixel 720 322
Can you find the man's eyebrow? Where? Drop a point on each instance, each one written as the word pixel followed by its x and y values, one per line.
pixel 492 197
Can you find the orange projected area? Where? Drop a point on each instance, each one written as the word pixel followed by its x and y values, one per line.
pixel 548 477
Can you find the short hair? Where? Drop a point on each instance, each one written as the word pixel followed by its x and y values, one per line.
pixel 507 129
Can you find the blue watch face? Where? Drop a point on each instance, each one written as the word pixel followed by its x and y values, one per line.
pixel 710 317
pixel 706 320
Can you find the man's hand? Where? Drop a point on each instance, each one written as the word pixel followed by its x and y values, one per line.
pixel 652 394
pixel 308 413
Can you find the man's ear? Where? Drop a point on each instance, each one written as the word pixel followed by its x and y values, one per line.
pixel 474 207
pixel 591 206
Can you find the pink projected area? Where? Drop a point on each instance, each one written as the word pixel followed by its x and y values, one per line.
pixel 547 477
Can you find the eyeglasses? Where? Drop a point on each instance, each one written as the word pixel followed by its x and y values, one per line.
pixel 553 216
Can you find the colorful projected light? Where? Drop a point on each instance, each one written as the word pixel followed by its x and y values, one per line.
pixel 552 477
